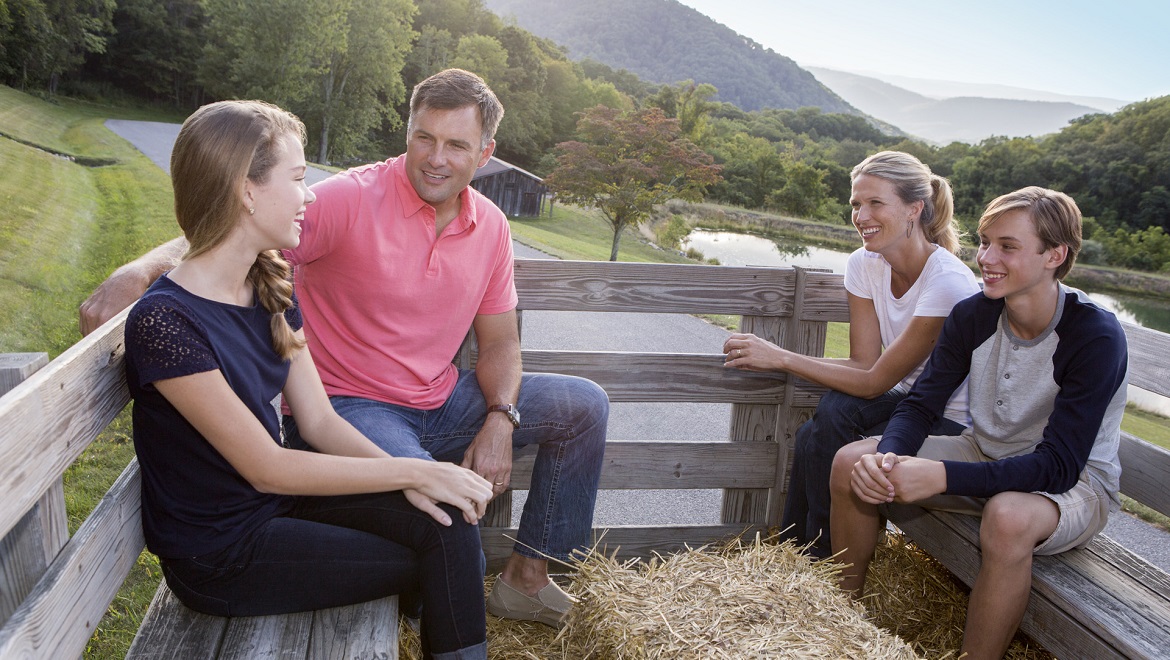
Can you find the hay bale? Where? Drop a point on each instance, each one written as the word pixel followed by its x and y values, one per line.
pixel 760 599
pixel 752 600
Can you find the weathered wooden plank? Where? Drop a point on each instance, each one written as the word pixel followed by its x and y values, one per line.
pixel 172 631
pixel 662 288
pixel 1102 598
pixel 49 419
pixel 661 376
pixel 755 424
pixel 670 377
pixel 15 368
pixel 1148 367
pixel 1145 471
pixel 27 549
pixel 674 465
pixel 267 637
pixel 824 298
pixel 628 540
pixel 806 337
pixel 364 630
pixel 57 619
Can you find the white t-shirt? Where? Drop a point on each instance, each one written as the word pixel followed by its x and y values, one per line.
pixel 945 280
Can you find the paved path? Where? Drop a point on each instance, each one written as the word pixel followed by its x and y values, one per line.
pixel 634 421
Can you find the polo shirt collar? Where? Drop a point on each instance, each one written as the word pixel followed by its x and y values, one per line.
pixel 411 203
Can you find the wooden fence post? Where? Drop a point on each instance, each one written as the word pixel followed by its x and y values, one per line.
pixel 33 542
pixel 773 423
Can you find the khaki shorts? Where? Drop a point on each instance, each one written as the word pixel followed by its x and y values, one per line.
pixel 1084 509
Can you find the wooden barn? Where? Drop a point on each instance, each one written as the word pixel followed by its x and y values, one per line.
pixel 515 191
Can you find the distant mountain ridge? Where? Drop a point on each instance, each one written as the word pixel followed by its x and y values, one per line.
pixel 963 118
pixel 945 89
pixel 665 41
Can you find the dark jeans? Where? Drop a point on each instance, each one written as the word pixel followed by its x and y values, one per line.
pixel 332 551
pixel 839 420
pixel 564 416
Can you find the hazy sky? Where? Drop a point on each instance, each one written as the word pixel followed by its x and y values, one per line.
pixel 1113 48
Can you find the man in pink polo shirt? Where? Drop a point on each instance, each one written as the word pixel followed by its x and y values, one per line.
pixel 397 260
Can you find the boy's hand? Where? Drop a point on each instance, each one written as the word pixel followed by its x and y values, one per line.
pixel 916 479
pixel 870 481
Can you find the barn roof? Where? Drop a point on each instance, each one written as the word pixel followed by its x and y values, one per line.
pixel 495 166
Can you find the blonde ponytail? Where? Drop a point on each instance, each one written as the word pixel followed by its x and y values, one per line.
pixel 941 228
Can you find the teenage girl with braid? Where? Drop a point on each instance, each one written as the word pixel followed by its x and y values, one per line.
pixel 241 524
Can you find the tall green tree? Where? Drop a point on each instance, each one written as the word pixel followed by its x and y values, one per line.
pixel 624 163
pixel 360 80
pixel 155 50
pixel 46 39
pixel 336 63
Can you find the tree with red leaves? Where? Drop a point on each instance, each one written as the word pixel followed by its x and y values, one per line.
pixel 626 162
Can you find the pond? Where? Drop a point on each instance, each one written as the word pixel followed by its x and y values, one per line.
pixel 732 249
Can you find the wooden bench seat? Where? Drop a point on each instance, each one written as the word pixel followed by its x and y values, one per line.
pixel 170 630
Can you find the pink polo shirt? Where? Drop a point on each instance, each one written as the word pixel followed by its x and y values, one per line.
pixel 386 304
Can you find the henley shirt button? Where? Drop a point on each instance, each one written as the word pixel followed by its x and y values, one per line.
pixel 1007 375
pixel 999 403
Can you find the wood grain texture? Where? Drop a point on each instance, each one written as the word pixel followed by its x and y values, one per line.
pixel 627 541
pixel 266 637
pixel 171 631
pixel 673 465
pixel 755 423
pixel 27 549
pixel 364 630
pixel 49 419
pixel 1149 367
pixel 1145 472
pixel 605 286
pixel 57 619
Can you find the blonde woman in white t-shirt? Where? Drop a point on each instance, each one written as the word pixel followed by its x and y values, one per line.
pixel 901 285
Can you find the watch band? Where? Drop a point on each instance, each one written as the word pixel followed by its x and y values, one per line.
pixel 508 409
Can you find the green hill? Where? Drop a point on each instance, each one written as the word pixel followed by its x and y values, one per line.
pixel 666 42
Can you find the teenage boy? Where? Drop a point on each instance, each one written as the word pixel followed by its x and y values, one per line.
pixel 1047 371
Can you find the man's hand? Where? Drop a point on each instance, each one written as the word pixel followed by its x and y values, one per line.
pixel 490 453
pixel 125 286
pixel 869 478
pixel 916 479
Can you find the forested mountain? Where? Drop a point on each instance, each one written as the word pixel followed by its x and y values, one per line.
pixel 964 118
pixel 664 41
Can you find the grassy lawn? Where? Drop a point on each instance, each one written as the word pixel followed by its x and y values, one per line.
pixel 67 225
pixel 572 233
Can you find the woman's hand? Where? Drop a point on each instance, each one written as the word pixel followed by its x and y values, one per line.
pixel 747 351
pixel 450 484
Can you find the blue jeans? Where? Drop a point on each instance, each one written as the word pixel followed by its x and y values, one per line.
pixel 566 416
pixel 838 420
pixel 333 551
